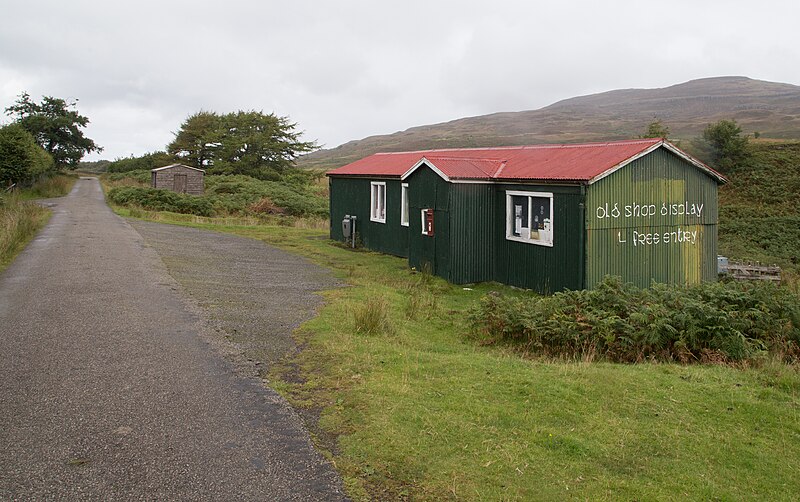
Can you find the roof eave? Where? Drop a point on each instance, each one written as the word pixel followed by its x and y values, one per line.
pixel 430 164
pixel 369 176
pixel 700 165
pixel 672 148
pixel 624 163
pixel 177 165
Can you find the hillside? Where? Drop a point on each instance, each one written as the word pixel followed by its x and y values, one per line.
pixel 760 208
pixel 772 109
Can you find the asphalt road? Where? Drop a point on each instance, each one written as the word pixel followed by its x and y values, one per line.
pixel 111 386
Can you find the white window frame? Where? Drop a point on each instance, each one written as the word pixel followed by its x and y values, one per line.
pixel 377 201
pixel 404 204
pixel 547 238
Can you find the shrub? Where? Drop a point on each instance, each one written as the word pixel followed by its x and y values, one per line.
pixel 161 200
pixel 21 159
pixel 619 322
pixel 236 195
pixel 238 192
pixel 266 206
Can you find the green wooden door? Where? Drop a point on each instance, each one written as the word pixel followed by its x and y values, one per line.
pixel 429 248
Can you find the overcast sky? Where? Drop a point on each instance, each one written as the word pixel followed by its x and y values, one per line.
pixel 345 70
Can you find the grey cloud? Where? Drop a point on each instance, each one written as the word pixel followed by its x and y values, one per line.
pixel 348 69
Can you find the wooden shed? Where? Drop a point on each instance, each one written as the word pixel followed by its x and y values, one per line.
pixel 542 217
pixel 178 178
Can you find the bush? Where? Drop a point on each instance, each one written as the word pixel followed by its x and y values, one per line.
pixel 161 200
pixel 238 192
pixel 235 194
pixel 619 322
pixel 21 159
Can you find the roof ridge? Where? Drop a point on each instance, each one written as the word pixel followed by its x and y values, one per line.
pixel 529 147
pixel 500 169
pixel 444 157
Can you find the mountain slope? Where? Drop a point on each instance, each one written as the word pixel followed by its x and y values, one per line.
pixel 772 109
pixel 760 208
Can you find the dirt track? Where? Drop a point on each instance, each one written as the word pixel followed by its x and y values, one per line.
pixel 111 386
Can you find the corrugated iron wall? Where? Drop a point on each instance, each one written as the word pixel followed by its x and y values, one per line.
pixel 427 190
pixel 654 220
pixel 542 268
pixel 472 233
pixel 352 196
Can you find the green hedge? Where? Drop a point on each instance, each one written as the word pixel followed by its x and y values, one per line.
pixel 712 322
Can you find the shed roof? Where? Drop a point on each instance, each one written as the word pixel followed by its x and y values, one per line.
pixel 581 162
pixel 176 165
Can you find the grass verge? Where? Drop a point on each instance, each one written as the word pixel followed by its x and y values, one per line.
pixel 19 222
pixel 424 411
pixel 20 218
pixel 48 188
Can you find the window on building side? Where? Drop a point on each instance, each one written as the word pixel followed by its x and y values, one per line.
pixel 404 204
pixel 378 201
pixel 529 217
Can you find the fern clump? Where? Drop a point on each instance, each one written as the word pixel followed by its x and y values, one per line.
pixel 711 322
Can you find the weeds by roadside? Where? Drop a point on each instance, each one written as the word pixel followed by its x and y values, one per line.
pixel 47 188
pixel 19 222
pixel 422 299
pixel 372 318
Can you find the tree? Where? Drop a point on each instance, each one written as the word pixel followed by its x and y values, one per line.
pixel 147 162
pixel 194 143
pixel 252 143
pixel 656 130
pixel 725 146
pixel 21 159
pixel 56 127
pixel 255 143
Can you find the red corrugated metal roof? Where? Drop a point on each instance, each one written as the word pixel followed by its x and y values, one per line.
pixel 381 164
pixel 465 168
pixel 569 162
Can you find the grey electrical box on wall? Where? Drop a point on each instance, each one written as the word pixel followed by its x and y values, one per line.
pixel 346 226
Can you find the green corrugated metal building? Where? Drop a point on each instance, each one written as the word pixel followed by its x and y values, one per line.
pixel 543 217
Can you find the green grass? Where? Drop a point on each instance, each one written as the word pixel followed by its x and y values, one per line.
pixel 19 222
pixel 21 219
pixel 47 188
pixel 420 409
